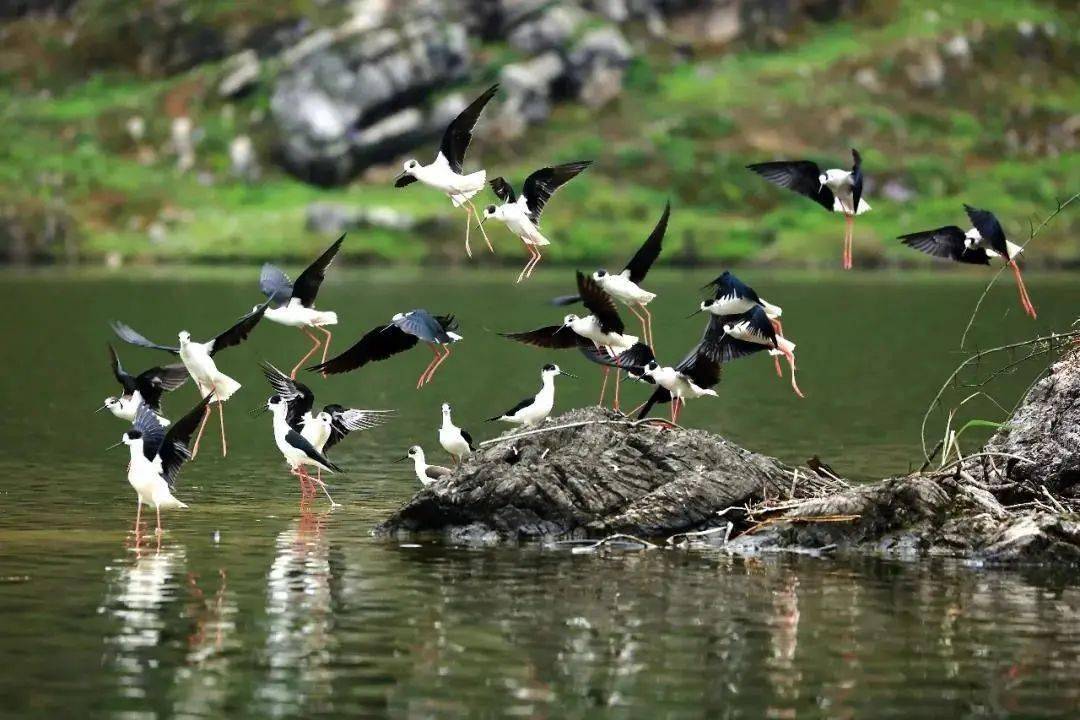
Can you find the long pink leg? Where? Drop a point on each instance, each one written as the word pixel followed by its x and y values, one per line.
pixel 292 373
pixel 644 327
pixel 420 380
pixel 158 510
pixel 221 417
pixel 326 345
pixel 480 225
pixel 532 256
pixel 198 437
pixel 776 362
pixel 1025 299
pixel 321 484
pixel 138 518
pixel 849 221
pixel 794 385
pixel 303 482
pixel 535 262
pixel 434 364
pixel 603 387
pixel 648 323
pixel 468 228
pixel 618 375
pixel 431 372
pixel 778 326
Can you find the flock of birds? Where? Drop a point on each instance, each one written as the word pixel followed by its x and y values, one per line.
pixel 740 323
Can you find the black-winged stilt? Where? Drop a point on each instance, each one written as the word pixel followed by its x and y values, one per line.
pixel 522 214
pixel 535 409
pixel 834 189
pixel 297 450
pixel 454 440
pixel 156 457
pixel 403 332
pixel 603 328
pixel 445 172
pixel 198 358
pixel 146 388
pixel 984 240
pixel 749 333
pixel 732 296
pixel 293 303
pixel 425 473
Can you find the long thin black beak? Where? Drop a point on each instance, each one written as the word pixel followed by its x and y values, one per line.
pixel 256 412
pixel 402 459
pixel 563 372
pixel 114 445
pixel 404 179
pixel 101 408
pixel 693 314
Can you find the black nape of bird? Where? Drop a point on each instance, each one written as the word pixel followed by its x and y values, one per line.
pixel 834 189
pixel 403 332
pixel 976 246
pixel 145 388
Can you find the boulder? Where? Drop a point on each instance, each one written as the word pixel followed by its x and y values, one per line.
pixel 239 74
pixel 596 66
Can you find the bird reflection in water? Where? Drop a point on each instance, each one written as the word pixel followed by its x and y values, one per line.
pixel 783 674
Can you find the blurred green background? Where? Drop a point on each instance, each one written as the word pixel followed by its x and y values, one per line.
pixel 148 130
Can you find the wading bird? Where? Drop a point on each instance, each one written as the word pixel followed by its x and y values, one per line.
pixel 602 329
pixel 535 409
pixel 986 239
pixel 403 332
pixel 834 189
pixel 753 332
pixel 297 450
pixel 156 457
pixel 522 214
pixel 293 303
pixel 445 172
pixel 146 388
pixel 454 440
pixel 426 474
pixel 732 296
pixel 198 358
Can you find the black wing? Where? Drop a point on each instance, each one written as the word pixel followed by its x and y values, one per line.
pixel 554 337
pixel 130 336
pixel 426 326
pixel 468 438
pixel 646 255
pixel 633 359
pixel 563 300
pixel 275 285
pixel 345 420
pixel 945 242
pixel 301 443
pixel 798 175
pixel 703 370
pixel 307 284
pixel 239 332
pixel 297 396
pixel 721 347
pixel 124 378
pixel 523 404
pixel 542 184
pixel 660 395
pixel 459 133
pixel 174 451
pixel 378 344
pixel 856 179
pixel 152 383
pixel 153 434
pixel 503 190
pixel 989 228
pixel 727 285
pixel 599 303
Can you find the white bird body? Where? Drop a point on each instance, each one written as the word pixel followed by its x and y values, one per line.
pixel 541 406
pixel 743 331
pixel 439 175
pixel 731 305
pixel 124 407
pixel 294 314
pixel 515 215
pixel 197 360
pixel 451 437
pixel 678 384
pixel 974 239
pixel 316 429
pixel 294 456
pixel 842 186
pixel 588 327
pixel 426 473
pixel 146 479
pixel 623 289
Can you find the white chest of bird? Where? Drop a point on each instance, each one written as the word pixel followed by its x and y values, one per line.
pixel 623 289
pixel 516 217
pixel 294 314
pixel 588 327
pixel 842 184
pixel 316 430
pixel 145 478
pixel 196 358
pixel 452 441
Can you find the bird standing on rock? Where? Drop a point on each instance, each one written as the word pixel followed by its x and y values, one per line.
pixel 445 172
pixel 426 474
pixel 454 440
pixel 835 189
pixel 535 410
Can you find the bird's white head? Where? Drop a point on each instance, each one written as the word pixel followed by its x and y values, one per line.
pixel 570 320
pixel 276 405
pixel 600 274
pixel 133 439
pixel 112 403
pixel 446 408
pixel 409 165
pixel 823 178
pixel 398 316
pixel 185 336
pixel 493 211
pixel 416 453
pixel 324 417
pixel 706 304
pixel 651 368
pixel 550 370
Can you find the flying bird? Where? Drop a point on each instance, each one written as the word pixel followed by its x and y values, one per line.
pixel 603 328
pixel 293 303
pixel 445 172
pixel 749 333
pixel 522 214
pixel 146 388
pixel 732 296
pixel 156 457
pixel 985 239
pixel 403 332
pixel 535 409
pixel 454 440
pixel 835 190
pixel 198 358
pixel 426 474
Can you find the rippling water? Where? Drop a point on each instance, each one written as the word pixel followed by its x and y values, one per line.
pixel 251 606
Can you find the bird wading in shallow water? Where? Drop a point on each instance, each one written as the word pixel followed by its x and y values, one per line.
pixel 445 172
pixel 454 440
pixel 146 388
pixel 198 358
pixel 984 240
pixel 425 473
pixel 535 410
pixel 297 450
pixel 521 215
pixel 403 332
pixel 835 189
pixel 156 457
pixel 293 303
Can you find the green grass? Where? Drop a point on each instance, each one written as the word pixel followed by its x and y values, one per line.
pixel 682 131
